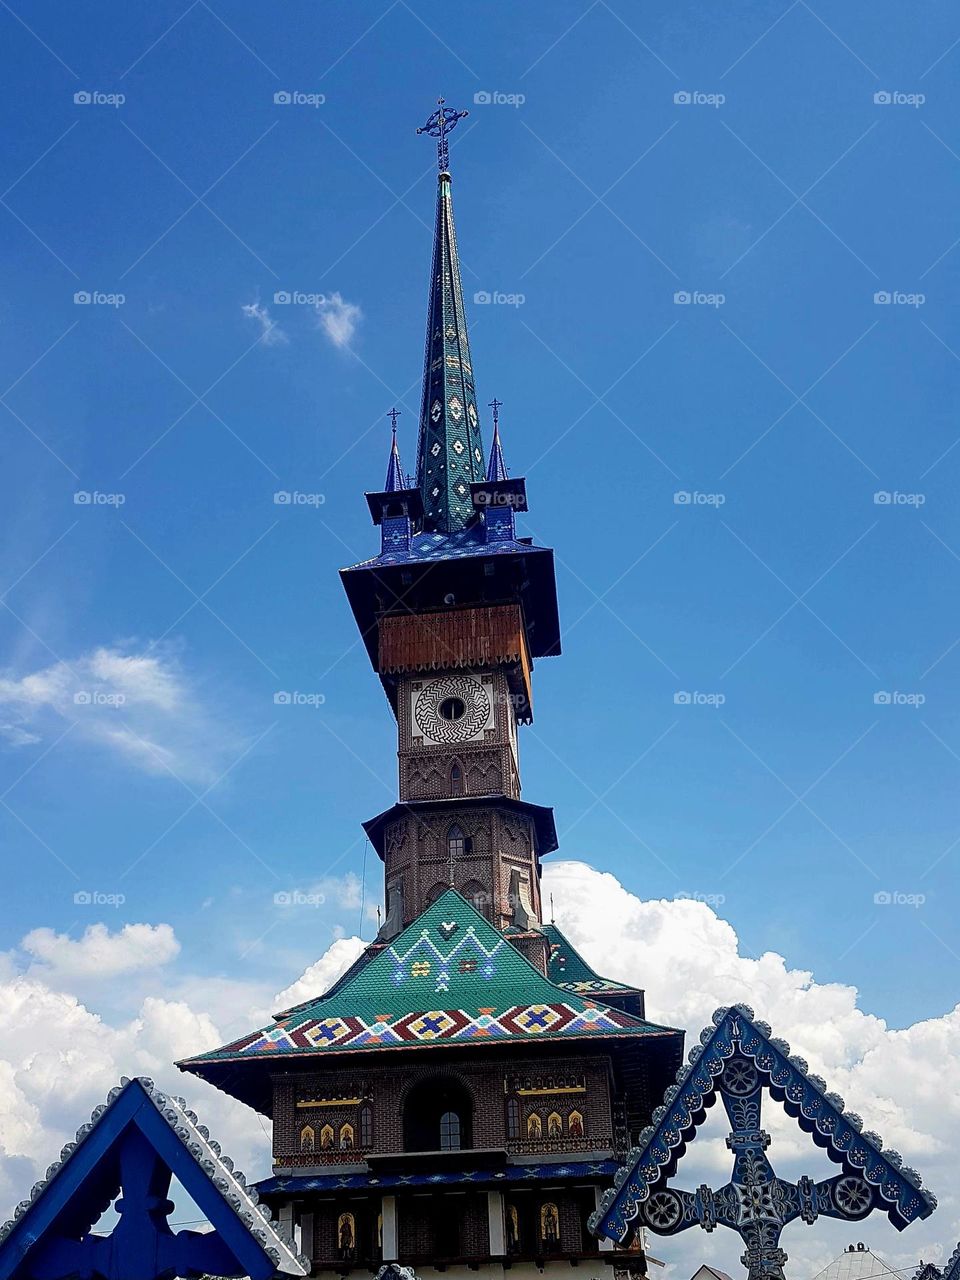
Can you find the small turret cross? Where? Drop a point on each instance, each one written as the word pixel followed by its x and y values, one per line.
pixel 496 406
pixel 438 126
pixel 393 415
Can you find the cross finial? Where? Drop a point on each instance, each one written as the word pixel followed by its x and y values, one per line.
pixel 393 415
pixel 438 126
pixel 496 405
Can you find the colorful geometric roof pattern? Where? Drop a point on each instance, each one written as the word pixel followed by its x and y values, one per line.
pixel 450 977
pixel 517 1173
pixel 449 449
pixel 135 1144
pixel 568 969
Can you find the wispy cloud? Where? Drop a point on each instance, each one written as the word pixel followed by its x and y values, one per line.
pixel 271 335
pixel 138 705
pixel 338 319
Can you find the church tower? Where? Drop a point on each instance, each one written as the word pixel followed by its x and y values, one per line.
pixel 454 611
pixel 458 1100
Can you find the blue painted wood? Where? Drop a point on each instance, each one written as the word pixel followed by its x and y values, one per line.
pixel 130 1149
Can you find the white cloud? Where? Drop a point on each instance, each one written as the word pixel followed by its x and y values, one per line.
pixel 271 335
pixel 139 705
pixel 100 953
pixel 58 1058
pixel 338 319
pixel 320 975
pixel 688 960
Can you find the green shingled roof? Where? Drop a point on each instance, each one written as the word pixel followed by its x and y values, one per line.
pixel 450 977
pixel 568 969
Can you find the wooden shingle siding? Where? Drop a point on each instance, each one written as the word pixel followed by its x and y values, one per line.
pixel 470 637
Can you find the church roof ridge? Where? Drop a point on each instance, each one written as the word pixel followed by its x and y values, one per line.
pixel 450 977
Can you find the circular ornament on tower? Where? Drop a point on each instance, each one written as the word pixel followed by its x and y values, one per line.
pixel 452 709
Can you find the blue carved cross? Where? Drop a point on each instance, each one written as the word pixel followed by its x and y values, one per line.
pixel 737 1059
pixel 438 126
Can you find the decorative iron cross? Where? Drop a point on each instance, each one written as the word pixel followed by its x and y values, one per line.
pixel 393 415
pixel 496 405
pixel 438 126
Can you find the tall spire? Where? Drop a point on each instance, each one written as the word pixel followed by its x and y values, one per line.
pixel 449 448
pixel 394 481
pixel 496 469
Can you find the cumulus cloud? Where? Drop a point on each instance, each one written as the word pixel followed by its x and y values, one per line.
pixel 338 319
pixel 322 974
pixel 689 962
pixel 138 705
pixel 100 953
pixel 271 335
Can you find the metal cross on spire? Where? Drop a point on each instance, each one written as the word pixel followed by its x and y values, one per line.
pixel 393 415
pixel 496 405
pixel 438 126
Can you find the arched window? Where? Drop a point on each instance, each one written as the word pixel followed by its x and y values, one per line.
pixel 550 1225
pixel 438 1116
pixel 326 1137
pixel 436 890
pixel 456 779
pixel 456 842
pixel 513 1119
pixel 450 1131
pixel 534 1127
pixel 346 1137
pixel 366 1126
pixel 306 1138
pixel 347 1236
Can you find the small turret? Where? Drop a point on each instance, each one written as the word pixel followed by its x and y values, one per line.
pixel 395 508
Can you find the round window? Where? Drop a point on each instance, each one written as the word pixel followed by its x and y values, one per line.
pixel 452 708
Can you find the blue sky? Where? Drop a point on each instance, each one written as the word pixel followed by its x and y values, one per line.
pixel 782 198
